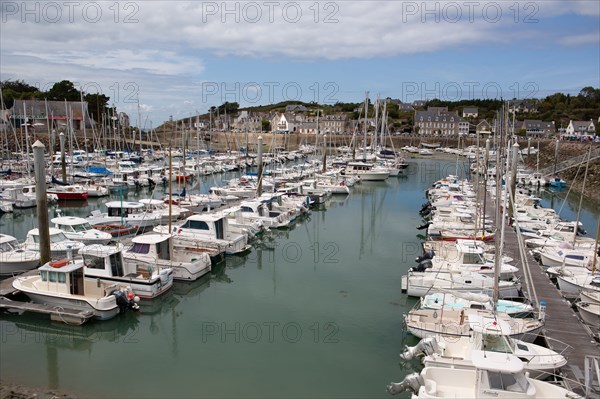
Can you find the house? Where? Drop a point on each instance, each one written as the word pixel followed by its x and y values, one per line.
pixel 484 128
pixel 419 103
pixel 55 113
pixel 295 108
pixel 535 128
pixel 123 119
pixel 439 121
pixel 304 124
pixel 523 106
pixel 470 112
pixel 579 130
pixel 404 107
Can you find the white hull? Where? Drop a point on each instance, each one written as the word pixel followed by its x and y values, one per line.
pixel 590 313
pixel 73 303
pixel 12 268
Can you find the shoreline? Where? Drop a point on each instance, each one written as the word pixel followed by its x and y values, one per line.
pixel 9 390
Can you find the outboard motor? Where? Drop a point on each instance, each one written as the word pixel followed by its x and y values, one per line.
pixel 422 266
pixel 429 254
pixel 426 347
pixel 126 300
pixel 581 231
pixel 410 383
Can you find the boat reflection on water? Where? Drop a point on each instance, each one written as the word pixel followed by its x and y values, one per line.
pixel 37 327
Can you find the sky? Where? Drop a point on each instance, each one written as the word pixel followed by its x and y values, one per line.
pixel 179 58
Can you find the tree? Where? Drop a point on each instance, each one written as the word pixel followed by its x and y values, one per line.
pixel 18 86
pixel 265 125
pixel 64 90
pixel 96 103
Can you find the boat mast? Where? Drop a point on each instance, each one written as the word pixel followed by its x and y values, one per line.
pixel 581 199
pixel 366 127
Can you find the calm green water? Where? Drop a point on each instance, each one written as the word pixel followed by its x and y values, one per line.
pixel 311 312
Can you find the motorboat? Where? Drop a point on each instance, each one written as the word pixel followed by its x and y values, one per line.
pixel 209 230
pixel 106 263
pixel 156 251
pixel 418 284
pixel 125 212
pixel 453 323
pixel 14 258
pixel 59 243
pixel 62 283
pixel 470 300
pixel 494 375
pixel 79 229
pixel 539 361
pixel 366 171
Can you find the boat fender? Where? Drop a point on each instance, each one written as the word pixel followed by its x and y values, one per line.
pixel 59 263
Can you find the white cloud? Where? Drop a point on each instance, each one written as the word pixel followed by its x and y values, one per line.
pixel 578 40
pixel 161 58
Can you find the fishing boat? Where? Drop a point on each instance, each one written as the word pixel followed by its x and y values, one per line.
pixel 62 283
pixel 156 251
pixel 14 258
pixel 106 264
pixel 494 375
pixel 79 229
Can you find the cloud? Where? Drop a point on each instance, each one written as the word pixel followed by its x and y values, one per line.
pixel 578 40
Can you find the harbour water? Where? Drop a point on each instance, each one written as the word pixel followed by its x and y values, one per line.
pixel 314 311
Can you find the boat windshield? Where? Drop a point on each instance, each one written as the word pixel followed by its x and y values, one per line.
pixel 507 382
pixel 9 246
pixel 59 237
pixel 139 248
pixel 82 227
pixel 496 343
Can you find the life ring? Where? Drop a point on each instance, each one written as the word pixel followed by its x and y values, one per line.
pixel 59 263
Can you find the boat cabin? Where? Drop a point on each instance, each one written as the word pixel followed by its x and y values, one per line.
pixel 157 246
pixel 62 277
pixel 72 224
pixel 103 260
pixel 210 225
pixel 124 209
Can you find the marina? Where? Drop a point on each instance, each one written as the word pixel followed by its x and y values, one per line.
pixel 306 291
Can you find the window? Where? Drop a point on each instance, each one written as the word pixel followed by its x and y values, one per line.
pixel 472 259
pixel 195 224
pixel 116 264
pixel 139 248
pixel 507 382
pixel 246 209
pixel 82 227
pixel 62 277
pixel 44 275
pixel 57 237
pixel 52 277
pixel 162 250
pixel 93 262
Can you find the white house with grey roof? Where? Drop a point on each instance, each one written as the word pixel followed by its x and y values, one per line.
pixel 470 112
pixel 439 121
pixel 580 129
